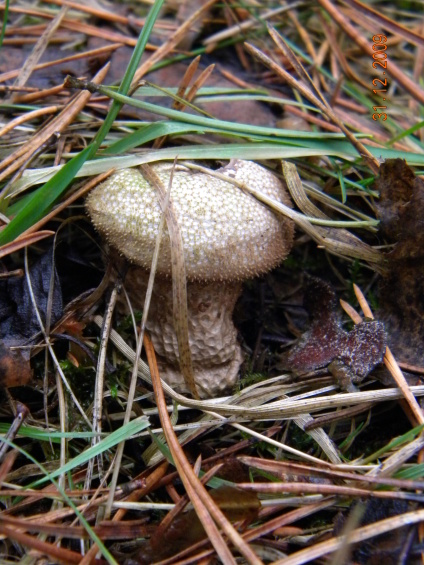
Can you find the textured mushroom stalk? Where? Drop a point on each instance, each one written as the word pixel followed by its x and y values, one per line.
pixel 228 236
pixel 215 352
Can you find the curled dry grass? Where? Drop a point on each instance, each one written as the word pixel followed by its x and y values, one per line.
pixel 83 485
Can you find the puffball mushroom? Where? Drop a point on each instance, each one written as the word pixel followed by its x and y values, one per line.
pixel 228 236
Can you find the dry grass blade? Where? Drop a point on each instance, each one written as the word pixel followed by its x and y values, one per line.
pixel 169 45
pixel 343 554
pixel 179 280
pixel 191 94
pixel 306 84
pixel 281 468
pixel 22 413
pixel 89 509
pixel 286 408
pixel 337 241
pixel 24 241
pixel 39 94
pixel 7 463
pixel 97 412
pixel 248 24
pixel 12 163
pixel 180 505
pixel 308 89
pixel 75 57
pixel 336 490
pixel 340 415
pixel 393 70
pixel 269 527
pixel 320 436
pixel 27 117
pixel 395 461
pixel 39 49
pixel 101 13
pixel 309 94
pixel 186 80
pixel 60 554
pixel 151 481
pixel 94 31
pixel 297 192
pixel 288 518
pixel 361 534
pixel 386 23
pixel 398 376
pixel 107 530
pixel 197 85
pixel 205 507
pixel 327 447
pixel 72 25
pixel 338 51
pixel 306 39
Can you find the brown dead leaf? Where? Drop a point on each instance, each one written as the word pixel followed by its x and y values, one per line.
pixel 402 288
pixel 15 368
pixel 186 529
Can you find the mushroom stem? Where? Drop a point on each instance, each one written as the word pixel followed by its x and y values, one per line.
pixel 216 354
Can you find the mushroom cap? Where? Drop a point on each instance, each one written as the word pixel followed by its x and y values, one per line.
pixel 227 234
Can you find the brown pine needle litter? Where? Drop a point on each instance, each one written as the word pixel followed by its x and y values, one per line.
pixel 316 456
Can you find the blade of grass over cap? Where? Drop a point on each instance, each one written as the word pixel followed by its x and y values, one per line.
pixel 249 151
pixel 42 199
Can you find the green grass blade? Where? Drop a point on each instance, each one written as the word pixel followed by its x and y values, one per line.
pixel 44 198
pixel 121 434
pixel 150 133
pixel 232 127
pixel 47 435
pixel 252 151
pixel 3 27
pixel 413 473
pixel 407 132
pixel 342 186
pixel 395 443
pixel 105 552
pixel 129 74
pixel 163 448
pixel 334 142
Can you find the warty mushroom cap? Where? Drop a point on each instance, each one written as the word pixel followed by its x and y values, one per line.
pixel 227 234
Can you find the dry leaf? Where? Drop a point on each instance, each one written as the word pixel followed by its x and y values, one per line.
pixel 350 356
pixel 402 288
